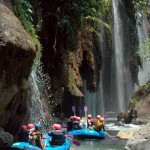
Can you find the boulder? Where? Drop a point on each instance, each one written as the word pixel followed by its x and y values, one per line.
pixel 140 140
pixel 17 52
pixel 5 139
pixel 127 134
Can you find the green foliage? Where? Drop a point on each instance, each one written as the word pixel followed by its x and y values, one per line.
pixel 133 100
pixel 140 4
pixel 140 7
pixel 24 11
pixel 141 93
pixel 144 49
pixel 71 78
pixel 69 58
pixel 83 15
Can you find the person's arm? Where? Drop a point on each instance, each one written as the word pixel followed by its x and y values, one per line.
pixel 40 138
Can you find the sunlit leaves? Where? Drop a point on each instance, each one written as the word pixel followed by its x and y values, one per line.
pixel 140 3
pixel 144 49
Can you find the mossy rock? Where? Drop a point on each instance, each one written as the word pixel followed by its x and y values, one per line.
pixel 141 93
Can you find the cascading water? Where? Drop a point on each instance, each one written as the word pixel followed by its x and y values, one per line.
pixel 116 86
pixel 39 83
pixel 144 70
pixel 122 76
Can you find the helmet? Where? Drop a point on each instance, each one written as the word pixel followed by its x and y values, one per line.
pixel 89 116
pixel 78 118
pixel 23 127
pixel 92 120
pixel 71 117
pixel 53 126
pixel 31 126
pixel 98 116
pixel 38 126
pixel 101 119
pixel 57 126
pixel 74 117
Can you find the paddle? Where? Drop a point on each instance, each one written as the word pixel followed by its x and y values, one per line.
pixel 113 138
pixel 77 143
pixel 29 148
pixel 74 110
pixel 70 136
pixel 85 110
pixel 45 144
pixel 105 116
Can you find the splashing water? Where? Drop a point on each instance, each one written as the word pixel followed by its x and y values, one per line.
pixel 38 96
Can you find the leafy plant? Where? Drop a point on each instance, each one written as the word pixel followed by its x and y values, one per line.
pixel 144 49
pixel 85 15
pixel 140 7
pixel 139 4
pixel 133 100
pixel 24 11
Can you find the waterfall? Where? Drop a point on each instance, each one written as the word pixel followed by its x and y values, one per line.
pixel 122 76
pixel 116 85
pixel 37 100
pixel 144 70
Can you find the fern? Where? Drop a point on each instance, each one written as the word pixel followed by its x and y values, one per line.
pixel 24 11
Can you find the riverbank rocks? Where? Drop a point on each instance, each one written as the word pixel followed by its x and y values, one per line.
pixel 5 139
pixel 128 116
pixel 127 134
pixel 140 140
pixel 17 51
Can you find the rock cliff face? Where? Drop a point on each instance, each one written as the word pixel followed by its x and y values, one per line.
pixel 67 65
pixel 17 51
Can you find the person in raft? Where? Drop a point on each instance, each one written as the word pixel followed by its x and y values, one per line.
pixel 76 124
pixel 58 137
pixel 22 135
pixel 89 117
pixel 100 125
pixel 31 129
pixel 38 136
pixel 70 123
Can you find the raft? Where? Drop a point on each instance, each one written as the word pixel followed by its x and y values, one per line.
pixel 46 138
pixel 86 133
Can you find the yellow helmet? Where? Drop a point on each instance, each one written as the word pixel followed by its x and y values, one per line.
pixel 101 119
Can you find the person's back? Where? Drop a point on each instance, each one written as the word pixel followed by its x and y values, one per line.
pixel 76 124
pixel 58 137
pixel 23 134
pixel 70 124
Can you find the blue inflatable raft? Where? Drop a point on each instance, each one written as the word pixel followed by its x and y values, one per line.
pixel 46 138
pixel 86 133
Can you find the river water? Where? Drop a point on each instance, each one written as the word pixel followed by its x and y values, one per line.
pixel 107 143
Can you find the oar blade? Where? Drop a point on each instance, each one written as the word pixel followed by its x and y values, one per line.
pixel 85 108
pixel 73 109
pixel 106 115
pixel 77 143
pixel 112 137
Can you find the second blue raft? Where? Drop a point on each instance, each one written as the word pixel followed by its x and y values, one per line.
pixel 86 133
